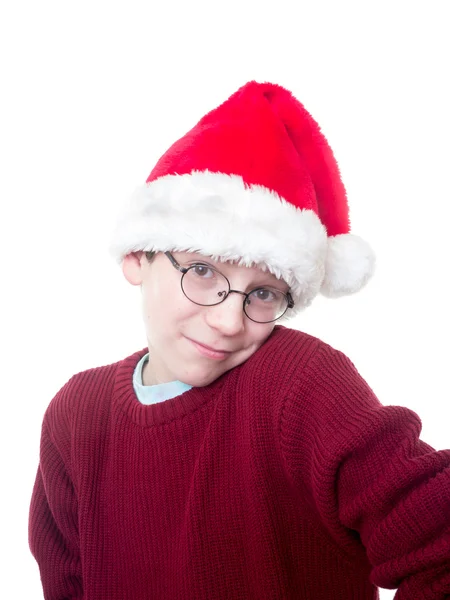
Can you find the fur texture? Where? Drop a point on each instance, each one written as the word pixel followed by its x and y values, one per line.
pixel 349 265
pixel 220 216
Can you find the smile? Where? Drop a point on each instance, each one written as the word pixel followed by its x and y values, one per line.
pixel 209 352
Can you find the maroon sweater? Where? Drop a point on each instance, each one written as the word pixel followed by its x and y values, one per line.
pixel 285 478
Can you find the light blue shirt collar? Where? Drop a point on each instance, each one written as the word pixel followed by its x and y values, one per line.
pixel 151 394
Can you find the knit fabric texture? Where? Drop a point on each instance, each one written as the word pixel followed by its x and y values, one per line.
pixel 285 478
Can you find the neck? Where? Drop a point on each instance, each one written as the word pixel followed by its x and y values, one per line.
pixel 149 376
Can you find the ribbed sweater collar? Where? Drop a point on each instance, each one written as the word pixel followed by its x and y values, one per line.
pixel 184 404
pixel 162 412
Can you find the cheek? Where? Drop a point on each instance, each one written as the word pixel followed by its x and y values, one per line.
pixel 155 312
pixel 164 310
pixel 258 334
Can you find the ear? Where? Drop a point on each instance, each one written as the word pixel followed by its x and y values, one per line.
pixel 132 268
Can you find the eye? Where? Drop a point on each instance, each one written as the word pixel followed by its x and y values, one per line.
pixel 265 295
pixel 202 271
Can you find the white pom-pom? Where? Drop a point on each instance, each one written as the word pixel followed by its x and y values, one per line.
pixel 349 265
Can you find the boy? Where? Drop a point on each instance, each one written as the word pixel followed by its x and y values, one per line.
pixel 236 458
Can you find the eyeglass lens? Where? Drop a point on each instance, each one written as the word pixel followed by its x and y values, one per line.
pixel 205 286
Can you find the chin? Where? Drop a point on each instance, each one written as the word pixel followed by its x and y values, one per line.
pixel 202 380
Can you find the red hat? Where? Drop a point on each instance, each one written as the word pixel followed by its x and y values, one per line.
pixel 254 182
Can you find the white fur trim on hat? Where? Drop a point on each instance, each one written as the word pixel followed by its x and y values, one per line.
pixel 218 215
pixel 349 265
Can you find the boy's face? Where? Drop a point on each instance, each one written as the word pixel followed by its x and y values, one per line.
pixel 173 323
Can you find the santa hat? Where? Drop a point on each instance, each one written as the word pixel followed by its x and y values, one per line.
pixel 256 183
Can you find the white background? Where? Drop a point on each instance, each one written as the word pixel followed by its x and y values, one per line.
pixel 93 93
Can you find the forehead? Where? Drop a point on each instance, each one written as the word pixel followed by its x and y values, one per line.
pixel 259 273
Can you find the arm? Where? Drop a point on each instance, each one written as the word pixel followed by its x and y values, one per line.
pixel 373 483
pixel 53 525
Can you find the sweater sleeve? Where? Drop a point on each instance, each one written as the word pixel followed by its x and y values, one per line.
pixel 53 527
pixel 372 483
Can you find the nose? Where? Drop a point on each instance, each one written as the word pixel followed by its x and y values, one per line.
pixel 228 316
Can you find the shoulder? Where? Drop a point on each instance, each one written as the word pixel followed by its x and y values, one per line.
pixel 316 383
pixel 86 392
pixel 296 363
pixel 291 349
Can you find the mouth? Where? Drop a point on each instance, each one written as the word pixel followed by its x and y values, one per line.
pixel 208 351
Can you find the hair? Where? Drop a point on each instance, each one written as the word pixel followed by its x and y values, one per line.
pixel 150 255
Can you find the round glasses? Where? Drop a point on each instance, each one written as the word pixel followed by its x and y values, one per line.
pixel 206 286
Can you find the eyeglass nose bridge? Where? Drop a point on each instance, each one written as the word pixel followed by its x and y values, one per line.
pixel 226 294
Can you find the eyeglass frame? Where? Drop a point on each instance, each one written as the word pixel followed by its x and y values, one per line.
pixel 184 270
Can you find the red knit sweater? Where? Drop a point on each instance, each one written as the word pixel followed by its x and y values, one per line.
pixel 285 478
